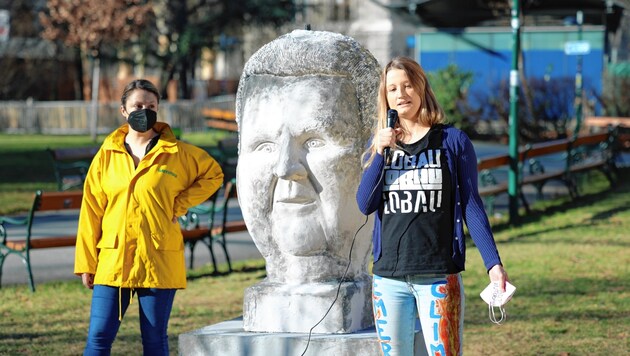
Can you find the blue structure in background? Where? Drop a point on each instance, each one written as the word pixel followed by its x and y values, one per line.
pixel 487 53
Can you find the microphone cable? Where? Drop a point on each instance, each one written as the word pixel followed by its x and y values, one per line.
pixel 310 332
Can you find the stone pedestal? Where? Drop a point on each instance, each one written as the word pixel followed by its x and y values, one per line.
pixel 273 307
pixel 229 339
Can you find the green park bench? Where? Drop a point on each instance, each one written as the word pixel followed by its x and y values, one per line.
pixel 572 157
pixel 22 245
pixel 71 165
pixel 193 232
pixel 216 224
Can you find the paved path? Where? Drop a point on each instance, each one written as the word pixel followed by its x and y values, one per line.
pixel 55 264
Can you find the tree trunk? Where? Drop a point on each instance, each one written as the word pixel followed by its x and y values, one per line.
pixel 96 74
pixel 78 82
pixel 183 79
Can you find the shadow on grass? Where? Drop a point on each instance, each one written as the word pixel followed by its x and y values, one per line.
pixel 585 200
pixel 604 215
pixel 215 273
pixel 42 343
pixel 596 240
pixel 573 300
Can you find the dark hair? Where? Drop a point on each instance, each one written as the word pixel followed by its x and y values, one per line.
pixel 139 84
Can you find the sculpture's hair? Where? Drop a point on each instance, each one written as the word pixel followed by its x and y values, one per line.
pixel 303 53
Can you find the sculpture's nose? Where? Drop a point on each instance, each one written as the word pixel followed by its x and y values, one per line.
pixel 289 165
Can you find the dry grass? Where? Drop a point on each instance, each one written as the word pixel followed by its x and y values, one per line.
pixel 54 320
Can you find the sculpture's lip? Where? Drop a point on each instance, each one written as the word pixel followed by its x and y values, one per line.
pixel 296 201
pixel 296 207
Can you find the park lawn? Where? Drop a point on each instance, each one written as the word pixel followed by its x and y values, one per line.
pixel 568 260
pixel 54 320
pixel 569 264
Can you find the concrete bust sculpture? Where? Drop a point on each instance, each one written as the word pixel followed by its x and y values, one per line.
pixel 305 106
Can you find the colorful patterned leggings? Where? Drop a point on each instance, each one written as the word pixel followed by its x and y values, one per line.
pixel 438 300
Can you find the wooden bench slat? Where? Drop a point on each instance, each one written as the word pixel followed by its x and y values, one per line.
pixel 202 232
pixel 493 162
pixel 194 234
pixel 215 113
pixel 222 125
pixel 70 199
pixel 235 226
pixel 220 119
pixel 50 242
pixel 590 139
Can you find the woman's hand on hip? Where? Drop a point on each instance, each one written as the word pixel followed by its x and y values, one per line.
pixel 88 280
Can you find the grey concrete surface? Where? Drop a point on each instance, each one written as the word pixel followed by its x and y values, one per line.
pixel 229 339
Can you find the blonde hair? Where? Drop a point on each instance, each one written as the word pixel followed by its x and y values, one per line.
pixel 430 112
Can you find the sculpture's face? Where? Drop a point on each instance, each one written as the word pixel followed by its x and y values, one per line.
pixel 299 164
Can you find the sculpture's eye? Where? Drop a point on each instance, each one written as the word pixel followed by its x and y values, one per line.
pixel 314 143
pixel 266 147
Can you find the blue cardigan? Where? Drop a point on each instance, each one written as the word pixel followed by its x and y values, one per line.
pixel 462 162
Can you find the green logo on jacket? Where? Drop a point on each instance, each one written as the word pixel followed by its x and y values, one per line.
pixel 161 170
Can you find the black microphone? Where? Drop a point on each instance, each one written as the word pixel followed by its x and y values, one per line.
pixel 392 118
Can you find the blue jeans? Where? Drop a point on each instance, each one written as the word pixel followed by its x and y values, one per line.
pixel 107 305
pixel 437 300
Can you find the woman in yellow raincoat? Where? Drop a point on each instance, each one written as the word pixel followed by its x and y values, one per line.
pixel 129 240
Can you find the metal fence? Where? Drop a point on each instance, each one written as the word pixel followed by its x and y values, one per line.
pixel 74 117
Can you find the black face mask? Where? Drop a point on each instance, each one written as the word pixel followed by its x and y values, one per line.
pixel 142 120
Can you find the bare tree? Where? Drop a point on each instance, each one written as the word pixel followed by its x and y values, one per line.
pixel 91 25
pixel 183 28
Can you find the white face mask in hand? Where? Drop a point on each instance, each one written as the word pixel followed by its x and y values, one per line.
pixel 493 296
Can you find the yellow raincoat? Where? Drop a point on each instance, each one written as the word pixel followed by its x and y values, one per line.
pixel 126 235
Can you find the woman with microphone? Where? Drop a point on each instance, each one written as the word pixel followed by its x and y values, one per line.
pixel 421 195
